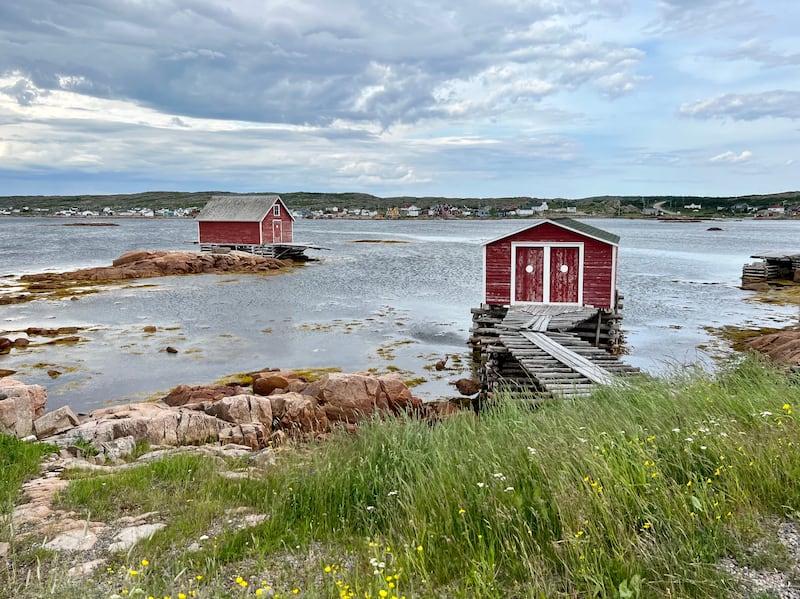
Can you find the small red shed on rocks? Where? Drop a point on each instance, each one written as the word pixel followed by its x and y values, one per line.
pixel 553 261
pixel 245 220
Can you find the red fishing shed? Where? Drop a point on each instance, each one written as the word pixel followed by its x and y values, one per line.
pixel 552 261
pixel 251 220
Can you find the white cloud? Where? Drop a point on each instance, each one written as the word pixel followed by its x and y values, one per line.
pixel 746 107
pixel 732 156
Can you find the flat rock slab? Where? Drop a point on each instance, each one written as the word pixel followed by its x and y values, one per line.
pixel 128 537
pixel 72 540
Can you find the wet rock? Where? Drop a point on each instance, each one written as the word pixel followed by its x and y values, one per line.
pixel 55 422
pixel 267 384
pixel 171 350
pixel 142 264
pixel 53 374
pixel 783 347
pixel 5 345
pixel 756 286
pixel 149 329
pixel 185 394
pixel 21 342
pixel 467 387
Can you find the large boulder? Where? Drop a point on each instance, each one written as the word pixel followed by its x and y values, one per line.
pixel 242 409
pixel 783 347
pixel 299 415
pixel 55 422
pixel 150 422
pixel 252 435
pixel 186 394
pixel 349 397
pixel 20 405
pixel 352 398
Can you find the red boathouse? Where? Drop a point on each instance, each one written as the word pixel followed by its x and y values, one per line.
pixel 253 220
pixel 558 261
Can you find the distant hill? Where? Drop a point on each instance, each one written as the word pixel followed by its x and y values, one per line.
pixel 315 201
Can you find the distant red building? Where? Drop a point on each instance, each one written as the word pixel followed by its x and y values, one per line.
pixel 245 220
pixel 559 261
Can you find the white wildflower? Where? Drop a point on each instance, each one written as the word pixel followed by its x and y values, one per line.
pixel 370 508
pixel 499 475
pixel 531 450
pixel 508 489
pixel 392 493
pixel 689 440
pixel 481 485
pixel 676 430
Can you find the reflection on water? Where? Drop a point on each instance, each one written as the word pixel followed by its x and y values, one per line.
pixel 363 306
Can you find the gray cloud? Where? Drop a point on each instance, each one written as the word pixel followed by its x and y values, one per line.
pixel 24 93
pixel 746 107
pixel 696 16
pixel 762 53
pixel 309 61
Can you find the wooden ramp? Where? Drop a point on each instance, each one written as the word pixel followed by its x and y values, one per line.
pixel 541 348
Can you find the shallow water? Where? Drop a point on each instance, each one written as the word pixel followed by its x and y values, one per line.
pixel 362 306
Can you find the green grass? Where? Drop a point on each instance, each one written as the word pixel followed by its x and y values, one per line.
pixel 637 492
pixel 19 461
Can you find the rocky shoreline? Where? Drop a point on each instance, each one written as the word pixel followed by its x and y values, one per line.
pixel 140 265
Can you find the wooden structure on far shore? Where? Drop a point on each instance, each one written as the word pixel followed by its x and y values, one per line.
pixel 550 321
pixel 258 224
pixel 774 265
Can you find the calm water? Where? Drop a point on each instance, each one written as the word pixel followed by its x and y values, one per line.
pixel 362 306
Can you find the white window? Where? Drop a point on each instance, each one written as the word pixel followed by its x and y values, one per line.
pixel 276 210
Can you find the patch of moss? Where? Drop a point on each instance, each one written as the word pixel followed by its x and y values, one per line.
pixel 739 336
pixel 312 374
pixel 388 241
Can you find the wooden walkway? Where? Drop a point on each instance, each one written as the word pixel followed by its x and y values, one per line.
pixel 556 361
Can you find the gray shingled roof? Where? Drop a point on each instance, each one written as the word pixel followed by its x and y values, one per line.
pixel 238 208
pixel 567 223
pixel 581 227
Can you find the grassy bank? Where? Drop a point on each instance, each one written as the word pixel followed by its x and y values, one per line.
pixel 636 493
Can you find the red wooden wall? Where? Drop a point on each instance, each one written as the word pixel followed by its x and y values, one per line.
pixel 598 270
pixel 286 224
pixel 245 233
pixel 248 233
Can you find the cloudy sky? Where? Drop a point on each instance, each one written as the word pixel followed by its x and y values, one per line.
pixel 547 98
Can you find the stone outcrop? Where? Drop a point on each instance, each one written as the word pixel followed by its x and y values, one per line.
pixel 299 415
pixel 242 409
pixel 783 347
pixel 144 264
pixel 228 414
pixel 185 394
pixel 351 398
pixel 20 405
pixel 55 422
pixel 150 422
